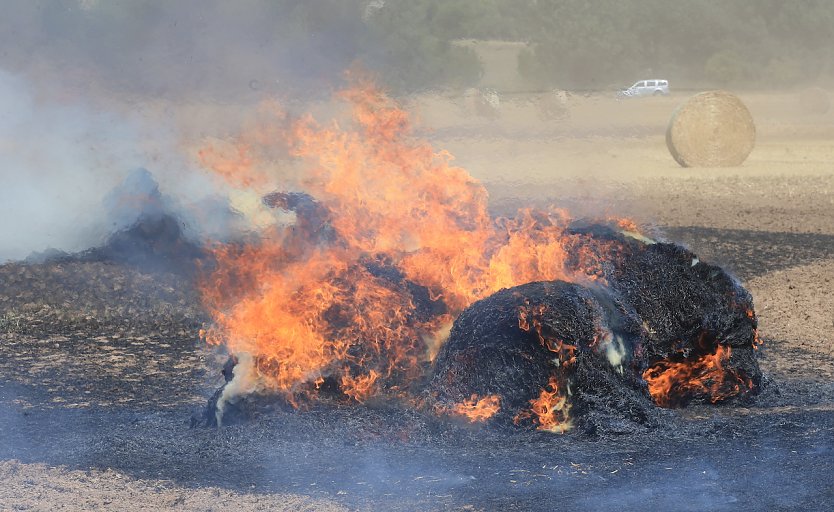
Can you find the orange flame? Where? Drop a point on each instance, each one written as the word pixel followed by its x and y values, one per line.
pixel 530 318
pixel 359 388
pixel 304 300
pixel 477 410
pixel 550 411
pixel 673 383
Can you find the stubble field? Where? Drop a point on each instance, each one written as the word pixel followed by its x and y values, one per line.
pixel 100 367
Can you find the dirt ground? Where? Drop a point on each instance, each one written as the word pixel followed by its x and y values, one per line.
pixel 94 414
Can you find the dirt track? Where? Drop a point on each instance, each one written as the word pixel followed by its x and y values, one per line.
pixel 98 416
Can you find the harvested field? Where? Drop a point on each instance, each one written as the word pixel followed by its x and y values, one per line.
pixel 111 490
pixel 101 366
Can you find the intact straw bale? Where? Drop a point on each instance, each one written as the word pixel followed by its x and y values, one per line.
pixel 712 129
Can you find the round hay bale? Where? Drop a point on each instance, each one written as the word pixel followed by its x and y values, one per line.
pixel 814 100
pixel 712 129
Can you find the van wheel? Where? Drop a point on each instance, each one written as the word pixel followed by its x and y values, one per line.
pixel 658 93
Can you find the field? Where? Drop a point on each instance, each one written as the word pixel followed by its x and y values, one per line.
pixel 94 414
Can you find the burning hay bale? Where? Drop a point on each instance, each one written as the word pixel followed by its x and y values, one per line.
pixel 150 236
pixel 658 325
pixel 652 326
pixel 552 323
pixel 712 129
pixel 526 346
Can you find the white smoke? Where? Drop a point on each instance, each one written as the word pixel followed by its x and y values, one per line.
pixel 59 163
pixel 56 163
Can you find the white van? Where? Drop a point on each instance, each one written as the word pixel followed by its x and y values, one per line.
pixel 654 87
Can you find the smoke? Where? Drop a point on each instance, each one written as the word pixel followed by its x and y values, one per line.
pixel 57 162
pixel 91 91
pixel 188 49
pixel 245 380
pixel 70 174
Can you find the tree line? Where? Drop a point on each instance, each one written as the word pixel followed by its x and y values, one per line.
pixel 214 46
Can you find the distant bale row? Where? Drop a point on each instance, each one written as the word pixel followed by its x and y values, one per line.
pixel 482 103
pixel 712 129
pixel 554 105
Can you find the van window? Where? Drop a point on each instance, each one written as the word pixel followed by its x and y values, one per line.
pixel 641 84
pixel 651 83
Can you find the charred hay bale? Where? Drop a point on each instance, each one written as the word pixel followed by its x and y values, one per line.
pixel 392 350
pixel 697 316
pixel 659 325
pixel 153 243
pixel 687 304
pixel 488 352
pixel 313 220
pixel 603 399
pixel 692 311
pixel 712 129
pixel 679 298
pixel 513 343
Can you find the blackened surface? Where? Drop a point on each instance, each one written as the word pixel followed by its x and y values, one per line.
pixel 488 353
pixel 154 243
pixel 688 306
pixel 658 301
pixel 385 459
pixel 90 299
pixel 777 454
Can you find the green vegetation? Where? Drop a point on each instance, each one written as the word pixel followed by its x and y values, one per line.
pixel 601 43
pixel 596 43
pixel 150 46
pixel 410 45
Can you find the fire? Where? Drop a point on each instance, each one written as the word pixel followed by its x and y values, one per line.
pixel 389 244
pixel 359 388
pixel 530 318
pixel 476 409
pixel 674 383
pixel 550 411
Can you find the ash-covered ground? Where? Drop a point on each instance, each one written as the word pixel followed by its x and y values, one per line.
pixel 101 368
